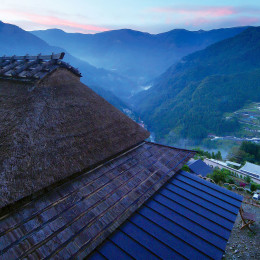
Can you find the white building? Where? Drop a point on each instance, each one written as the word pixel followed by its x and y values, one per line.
pixel 251 169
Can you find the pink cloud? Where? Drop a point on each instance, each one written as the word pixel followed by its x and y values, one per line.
pixel 226 22
pixel 206 11
pixel 197 11
pixel 52 21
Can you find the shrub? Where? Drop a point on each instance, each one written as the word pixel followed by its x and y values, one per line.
pixel 231 181
pixel 185 168
pixel 218 176
pixel 253 187
pixel 248 179
pixel 242 184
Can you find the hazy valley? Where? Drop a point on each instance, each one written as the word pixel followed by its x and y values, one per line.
pixel 186 87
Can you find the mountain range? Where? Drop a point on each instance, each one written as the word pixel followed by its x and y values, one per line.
pixel 14 40
pixel 192 78
pixel 190 99
pixel 135 55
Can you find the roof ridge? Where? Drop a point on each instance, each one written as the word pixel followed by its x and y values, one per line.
pixel 58 56
pixel 172 147
pixel 33 68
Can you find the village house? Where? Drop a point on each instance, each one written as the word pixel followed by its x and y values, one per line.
pixel 78 178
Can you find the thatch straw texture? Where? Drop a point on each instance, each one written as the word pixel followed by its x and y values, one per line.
pixel 53 129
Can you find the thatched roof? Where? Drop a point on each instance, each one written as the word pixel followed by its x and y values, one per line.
pixel 71 220
pixel 53 128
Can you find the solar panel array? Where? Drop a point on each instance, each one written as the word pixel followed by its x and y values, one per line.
pixel 187 218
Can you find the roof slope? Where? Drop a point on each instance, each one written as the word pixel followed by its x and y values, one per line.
pixel 252 168
pixel 32 68
pixel 54 128
pixel 200 168
pixel 189 218
pixel 77 216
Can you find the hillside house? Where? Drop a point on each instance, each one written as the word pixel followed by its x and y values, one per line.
pixel 78 178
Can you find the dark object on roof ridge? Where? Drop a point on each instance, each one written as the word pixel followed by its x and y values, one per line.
pixel 32 68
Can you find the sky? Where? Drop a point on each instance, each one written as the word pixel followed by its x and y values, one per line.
pixel 153 16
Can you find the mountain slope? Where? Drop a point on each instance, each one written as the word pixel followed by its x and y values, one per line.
pixel 14 40
pixel 190 98
pixel 137 55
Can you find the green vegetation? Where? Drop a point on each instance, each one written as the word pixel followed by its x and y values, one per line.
pixel 253 187
pixel 248 118
pixel 247 179
pixel 192 97
pixel 247 151
pixel 220 176
pixel 185 168
pixel 201 153
pixel 230 181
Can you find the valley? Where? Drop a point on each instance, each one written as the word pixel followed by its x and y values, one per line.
pixel 188 88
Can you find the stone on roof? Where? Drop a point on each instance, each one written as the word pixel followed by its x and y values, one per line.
pixel 73 219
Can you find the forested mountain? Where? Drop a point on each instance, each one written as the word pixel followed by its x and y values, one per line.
pixel 136 55
pixel 14 40
pixel 191 97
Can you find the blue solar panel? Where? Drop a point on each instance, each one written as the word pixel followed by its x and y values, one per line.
pixel 200 168
pixel 187 218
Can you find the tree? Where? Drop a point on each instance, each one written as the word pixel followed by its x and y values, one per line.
pixel 253 187
pixel 218 156
pixel 231 181
pixel 218 176
pixel 248 179
pixel 247 151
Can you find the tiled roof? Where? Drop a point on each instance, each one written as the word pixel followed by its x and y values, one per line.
pixel 200 168
pixel 31 68
pixel 71 220
pixel 188 218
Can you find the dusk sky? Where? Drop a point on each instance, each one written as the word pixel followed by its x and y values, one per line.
pixel 152 16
